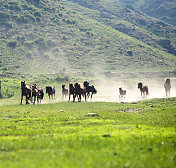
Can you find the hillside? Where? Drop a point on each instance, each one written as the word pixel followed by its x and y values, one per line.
pixel 49 37
pixel 129 21
pixel 164 10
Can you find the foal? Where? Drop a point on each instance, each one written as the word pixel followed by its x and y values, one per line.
pixel 122 93
pixel 64 92
pixel 143 89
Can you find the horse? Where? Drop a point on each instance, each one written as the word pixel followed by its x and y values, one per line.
pixel 89 89
pixel 64 92
pixel 78 92
pixel 167 86
pixel 122 93
pixel 71 91
pixel 40 95
pixel 35 93
pixel 51 91
pixel 25 91
pixel 143 89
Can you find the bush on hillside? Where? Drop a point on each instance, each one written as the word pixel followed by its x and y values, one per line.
pixel 12 44
pixel 14 5
pixel 4 16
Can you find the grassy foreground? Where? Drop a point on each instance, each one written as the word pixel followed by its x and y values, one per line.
pixel 62 135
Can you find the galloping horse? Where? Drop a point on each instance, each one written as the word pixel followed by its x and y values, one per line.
pixel 25 91
pixel 71 91
pixel 89 89
pixel 64 92
pixel 167 86
pixel 78 92
pixel 40 95
pixel 35 93
pixel 122 93
pixel 51 91
pixel 143 89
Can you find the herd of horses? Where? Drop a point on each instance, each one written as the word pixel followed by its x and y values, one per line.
pixel 76 91
pixel 33 92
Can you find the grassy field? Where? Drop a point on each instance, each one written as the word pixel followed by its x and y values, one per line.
pixel 62 135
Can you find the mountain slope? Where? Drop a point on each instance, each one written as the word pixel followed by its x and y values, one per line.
pixel 46 37
pixel 146 29
pixel 164 10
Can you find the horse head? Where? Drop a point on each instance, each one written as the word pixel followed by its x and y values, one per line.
pixel 168 80
pixel 63 87
pixel 71 85
pixel 140 85
pixel 77 85
pixel 23 84
pixel 86 84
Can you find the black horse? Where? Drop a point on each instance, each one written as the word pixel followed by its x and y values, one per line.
pixel 89 89
pixel 51 91
pixel 40 94
pixel 71 91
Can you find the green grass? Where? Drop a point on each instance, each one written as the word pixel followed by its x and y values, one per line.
pixel 123 135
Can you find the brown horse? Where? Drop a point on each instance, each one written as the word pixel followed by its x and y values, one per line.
pixel 122 93
pixel 78 92
pixel 167 86
pixel 51 91
pixel 25 91
pixel 144 90
pixel 64 92
pixel 35 93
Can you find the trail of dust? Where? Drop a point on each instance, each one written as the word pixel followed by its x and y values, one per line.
pixel 108 91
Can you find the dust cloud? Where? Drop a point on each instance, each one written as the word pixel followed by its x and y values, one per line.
pixel 108 91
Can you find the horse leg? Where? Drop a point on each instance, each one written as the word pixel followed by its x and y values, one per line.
pixel 69 97
pixel 169 92
pixel 91 95
pixel 88 94
pixel 26 100
pixel 74 97
pixel 34 99
pixel 21 98
pixel 37 100
pixel 79 97
pixel 85 97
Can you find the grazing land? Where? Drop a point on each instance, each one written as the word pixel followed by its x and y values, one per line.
pixel 62 135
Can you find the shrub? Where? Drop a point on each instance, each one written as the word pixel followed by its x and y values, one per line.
pixel 4 16
pixel 38 19
pixel 37 14
pixel 62 79
pixel 12 44
pixel 14 6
